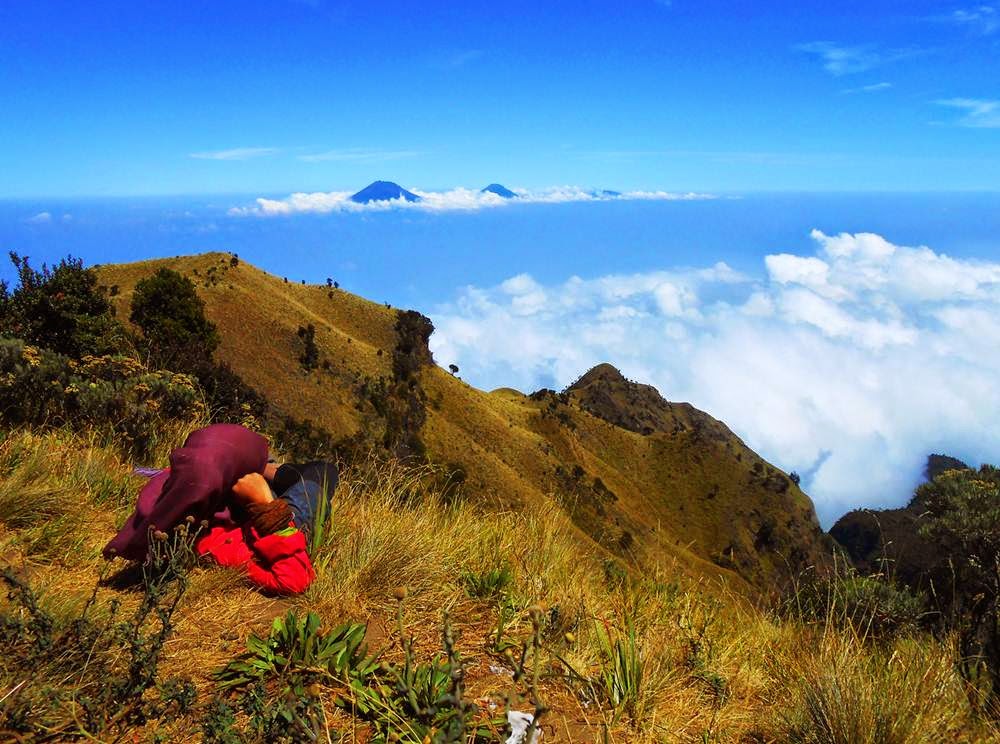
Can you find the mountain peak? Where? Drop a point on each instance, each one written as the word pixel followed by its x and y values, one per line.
pixel 500 190
pixel 603 372
pixel 606 393
pixel 383 191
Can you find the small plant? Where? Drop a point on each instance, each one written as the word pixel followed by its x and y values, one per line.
pixel 296 643
pixel 506 612
pixel 296 658
pixel 487 584
pixel 621 677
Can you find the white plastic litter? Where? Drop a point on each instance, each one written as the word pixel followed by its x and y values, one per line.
pixel 519 723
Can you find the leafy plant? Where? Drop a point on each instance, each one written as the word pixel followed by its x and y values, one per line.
pixel 415 702
pixel 295 644
pixel 621 676
pixel 487 584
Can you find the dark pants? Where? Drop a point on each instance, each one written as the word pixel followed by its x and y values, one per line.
pixel 305 487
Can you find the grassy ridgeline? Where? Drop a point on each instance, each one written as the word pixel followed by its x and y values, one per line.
pixel 648 658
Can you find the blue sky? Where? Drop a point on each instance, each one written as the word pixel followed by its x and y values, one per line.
pixel 125 98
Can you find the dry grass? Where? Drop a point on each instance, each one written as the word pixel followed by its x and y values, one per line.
pixel 711 668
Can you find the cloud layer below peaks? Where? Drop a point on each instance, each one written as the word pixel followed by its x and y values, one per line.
pixel 849 365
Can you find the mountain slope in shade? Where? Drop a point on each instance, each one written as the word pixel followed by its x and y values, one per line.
pixel 890 539
pixel 499 190
pixel 383 191
pixel 646 482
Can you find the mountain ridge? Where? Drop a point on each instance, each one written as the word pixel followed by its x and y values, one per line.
pixel 648 482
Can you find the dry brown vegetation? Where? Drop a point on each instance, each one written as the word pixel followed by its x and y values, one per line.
pixel 695 661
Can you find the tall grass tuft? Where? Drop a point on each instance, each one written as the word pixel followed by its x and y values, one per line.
pixel 50 484
pixel 847 693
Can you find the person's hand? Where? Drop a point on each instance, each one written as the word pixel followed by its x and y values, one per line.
pixel 252 489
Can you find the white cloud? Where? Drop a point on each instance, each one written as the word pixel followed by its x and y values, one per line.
pixel 873 88
pixel 849 365
pixel 979 113
pixel 236 153
pixel 442 201
pixel 982 19
pixel 41 218
pixel 839 59
pixel 358 155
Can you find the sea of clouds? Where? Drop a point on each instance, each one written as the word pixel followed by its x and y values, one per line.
pixel 849 365
pixel 324 202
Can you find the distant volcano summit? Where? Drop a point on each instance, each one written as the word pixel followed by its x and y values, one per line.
pixel 499 190
pixel 383 191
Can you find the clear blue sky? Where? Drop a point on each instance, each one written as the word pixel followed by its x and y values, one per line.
pixel 130 98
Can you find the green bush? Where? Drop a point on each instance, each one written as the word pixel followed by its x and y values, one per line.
pixel 961 516
pixel 171 316
pixel 309 358
pixel 62 309
pixel 874 606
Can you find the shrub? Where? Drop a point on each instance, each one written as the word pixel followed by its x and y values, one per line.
pixel 874 606
pixel 62 309
pixel 309 358
pixel 962 518
pixel 114 393
pixel 171 316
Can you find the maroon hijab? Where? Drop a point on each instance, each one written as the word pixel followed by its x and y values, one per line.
pixel 198 483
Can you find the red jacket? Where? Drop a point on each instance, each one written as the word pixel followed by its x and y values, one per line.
pixel 277 562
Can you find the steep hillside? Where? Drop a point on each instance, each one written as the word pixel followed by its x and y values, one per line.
pixel 650 482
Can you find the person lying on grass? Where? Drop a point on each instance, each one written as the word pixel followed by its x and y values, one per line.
pixel 272 545
pixel 258 514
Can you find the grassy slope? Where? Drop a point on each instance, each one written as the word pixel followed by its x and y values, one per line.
pixel 711 671
pixel 688 497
